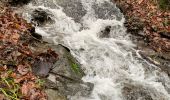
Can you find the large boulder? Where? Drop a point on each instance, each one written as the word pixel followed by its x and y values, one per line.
pixel 67 65
pixel 62 77
pixel 67 74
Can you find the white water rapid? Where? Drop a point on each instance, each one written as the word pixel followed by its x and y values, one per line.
pixel 110 61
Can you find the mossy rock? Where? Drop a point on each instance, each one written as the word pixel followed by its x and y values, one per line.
pixel 67 65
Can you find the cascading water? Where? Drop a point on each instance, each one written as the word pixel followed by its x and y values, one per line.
pixel 110 62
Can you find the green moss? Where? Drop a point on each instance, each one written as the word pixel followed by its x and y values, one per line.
pixel 75 68
pixel 74 65
pixel 164 4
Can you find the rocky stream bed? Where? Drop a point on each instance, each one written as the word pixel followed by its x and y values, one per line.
pixel 29 58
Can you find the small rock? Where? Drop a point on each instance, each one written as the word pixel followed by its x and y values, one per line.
pixel 106 32
pixel 41 68
pixel 44 63
pixel 41 17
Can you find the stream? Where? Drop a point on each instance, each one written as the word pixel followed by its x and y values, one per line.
pixel 94 32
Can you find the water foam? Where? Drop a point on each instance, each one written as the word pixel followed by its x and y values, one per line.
pixel 109 63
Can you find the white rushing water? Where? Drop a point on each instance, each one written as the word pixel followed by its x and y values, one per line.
pixel 109 60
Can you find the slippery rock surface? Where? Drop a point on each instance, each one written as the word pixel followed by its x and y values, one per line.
pixel 64 76
pixel 160 59
pixel 67 64
pixel 41 17
pixel 73 8
pixel 132 91
pixel 67 74
pixel 54 95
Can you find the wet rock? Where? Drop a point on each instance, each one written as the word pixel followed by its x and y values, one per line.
pixel 37 36
pixel 41 17
pixel 66 48
pixel 107 10
pixel 66 75
pixel 132 92
pixel 54 95
pixel 41 68
pixel 135 91
pixel 45 3
pixel 67 65
pixel 106 32
pixel 67 86
pixel 44 63
pixel 18 2
pixel 62 76
pixel 72 8
pixel 160 59
pixel 34 34
pixel 83 89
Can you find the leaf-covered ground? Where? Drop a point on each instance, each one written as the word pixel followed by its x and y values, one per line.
pixel 17 81
pixel 150 16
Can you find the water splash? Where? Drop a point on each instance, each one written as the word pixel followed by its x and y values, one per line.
pixel 116 69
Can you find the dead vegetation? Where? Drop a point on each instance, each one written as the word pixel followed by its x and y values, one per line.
pixel 150 16
pixel 17 80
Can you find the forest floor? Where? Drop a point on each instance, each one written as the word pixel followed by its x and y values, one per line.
pixel 152 17
pixel 17 56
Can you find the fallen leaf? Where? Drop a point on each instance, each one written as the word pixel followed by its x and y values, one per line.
pixel 27 87
pixel 23 70
pixel 140 1
pixel 14 38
